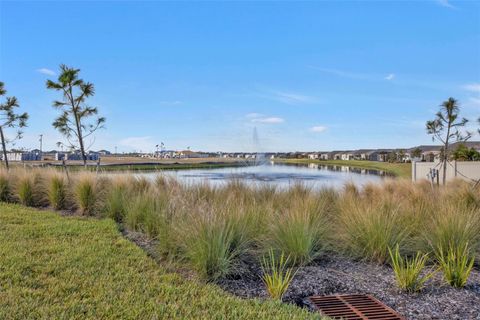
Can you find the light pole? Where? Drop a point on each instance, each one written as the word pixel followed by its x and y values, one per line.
pixel 41 143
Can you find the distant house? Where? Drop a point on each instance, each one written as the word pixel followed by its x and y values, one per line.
pixel 49 155
pixel 380 155
pixel 77 156
pixel 347 156
pixel 430 156
pixel 191 154
pixel 324 156
pixel 59 156
pixel 313 156
pixel 362 154
pixel 429 153
pixel 23 156
pixel 104 152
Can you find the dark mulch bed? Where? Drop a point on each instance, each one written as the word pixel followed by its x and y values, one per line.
pixel 339 275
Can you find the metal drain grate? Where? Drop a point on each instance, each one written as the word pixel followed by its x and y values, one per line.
pixel 354 307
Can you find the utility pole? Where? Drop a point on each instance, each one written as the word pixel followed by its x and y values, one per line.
pixel 41 143
pixel 115 149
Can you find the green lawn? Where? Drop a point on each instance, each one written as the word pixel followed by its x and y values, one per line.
pixel 401 170
pixel 54 267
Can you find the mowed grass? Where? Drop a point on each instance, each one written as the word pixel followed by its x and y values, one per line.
pixel 54 267
pixel 400 170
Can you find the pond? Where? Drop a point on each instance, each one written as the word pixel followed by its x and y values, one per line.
pixel 280 175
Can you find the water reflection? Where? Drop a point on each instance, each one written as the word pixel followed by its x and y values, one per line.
pixel 345 169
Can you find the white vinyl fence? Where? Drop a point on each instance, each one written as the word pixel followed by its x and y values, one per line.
pixel 466 170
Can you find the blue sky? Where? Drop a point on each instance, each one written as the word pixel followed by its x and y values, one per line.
pixel 308 75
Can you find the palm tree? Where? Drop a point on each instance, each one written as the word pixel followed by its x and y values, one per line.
pixel 463 153
pixel 416 153
pixel 401 155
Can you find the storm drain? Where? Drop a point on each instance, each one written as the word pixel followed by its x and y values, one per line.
pixel 354 307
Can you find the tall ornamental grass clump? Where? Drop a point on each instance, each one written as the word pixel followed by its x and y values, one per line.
pixel 116 200
pixel 367 230
pixel 451 225
pixel 24 189
pixel 300 231
pixel 57 192
pixel 456 264
pixel 409 271
pixel 5 187
pixel 276 274
pixel 86 193
pixel 212 241
pixel 213 255
pixel 147 213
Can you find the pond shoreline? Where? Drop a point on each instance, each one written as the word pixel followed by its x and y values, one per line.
pixel 399 170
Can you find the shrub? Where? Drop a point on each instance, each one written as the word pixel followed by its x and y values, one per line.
pixel 456 264
pixel 276 275
pixel 86 195
pixel 57 192
pixel 408 272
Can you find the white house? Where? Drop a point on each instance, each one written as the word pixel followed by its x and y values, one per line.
pixel 347 156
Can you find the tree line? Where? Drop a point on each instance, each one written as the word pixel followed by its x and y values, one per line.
pixel 76 121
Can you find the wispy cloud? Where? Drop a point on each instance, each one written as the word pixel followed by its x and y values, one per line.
pixel 287 97
pixel 389 77
pixel 318 129
pixel 474 101
pixel 46 71
pixel 355 75
pixel 473 87
pixel 445 3
pixel 260 118
pixel 271 120
pixel 144 144
pixel 254 115
pixel 291 97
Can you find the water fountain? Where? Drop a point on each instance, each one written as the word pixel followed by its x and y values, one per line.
pixel 260 158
